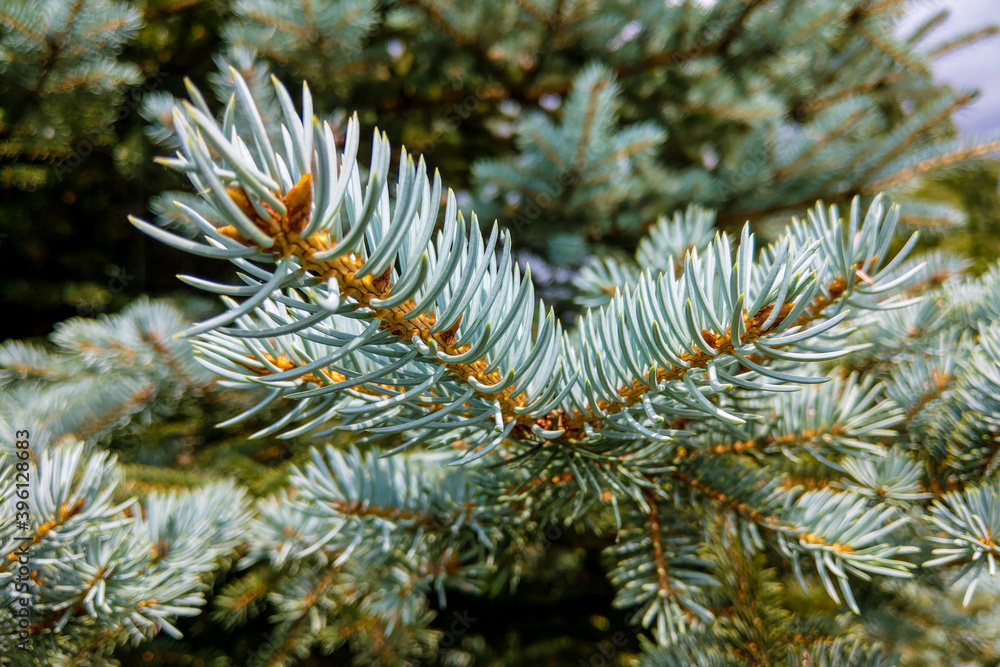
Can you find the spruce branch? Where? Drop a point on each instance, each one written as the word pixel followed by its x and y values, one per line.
pixel 100 575
pixel 657 569
pixel 962 41
pixel 642 348
pixel 844 535
pixel 970 521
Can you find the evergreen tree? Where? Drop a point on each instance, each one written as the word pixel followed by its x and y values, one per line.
pixel 576 124
pixel 62 80
pixel 779 441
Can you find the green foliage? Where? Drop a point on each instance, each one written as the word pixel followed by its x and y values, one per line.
pixel 778 441
pixel 583 169
pixel 62 78
pixel 319 37
pixel 688 103
pixel 102 573
pixel 105 374
pixel 715 382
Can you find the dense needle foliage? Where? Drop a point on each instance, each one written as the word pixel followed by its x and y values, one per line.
pixel 629 313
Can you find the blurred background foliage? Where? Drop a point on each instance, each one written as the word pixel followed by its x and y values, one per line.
pixel 495 95
pixel 472 88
